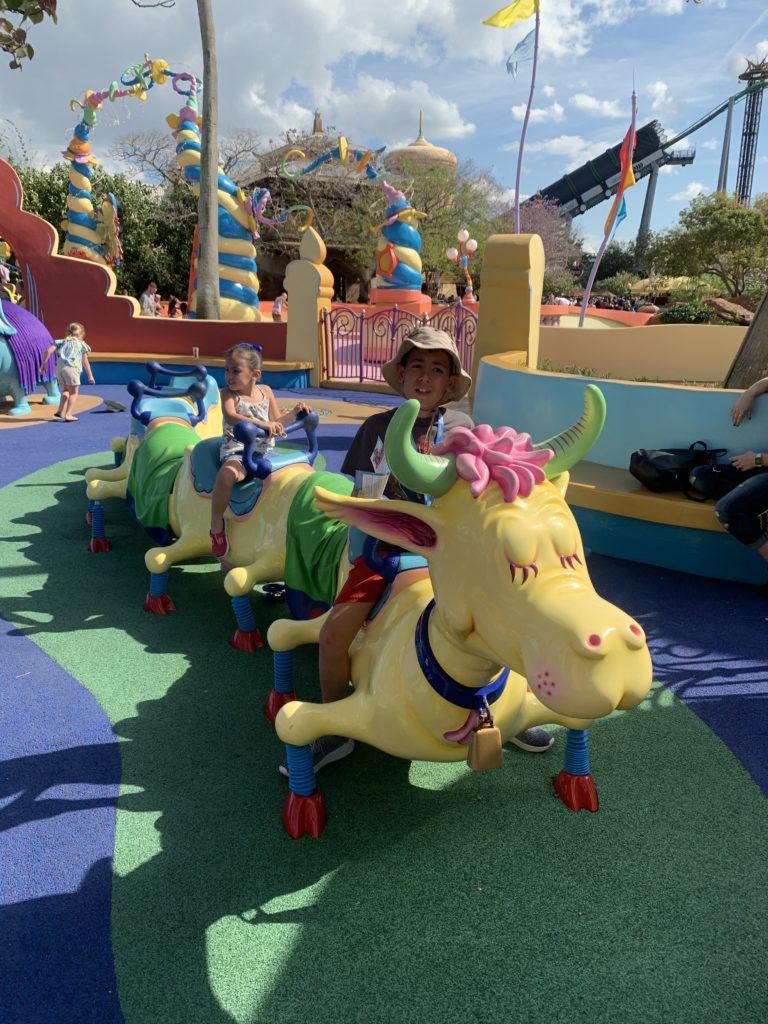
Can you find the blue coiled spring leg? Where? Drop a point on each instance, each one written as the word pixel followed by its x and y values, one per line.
pixel 243 613
pixel 301 773
pixel 282 691
pixel 158 583
pixel 158 600
pixel 576 758
pixel 575 785
pixel 99 541
pixel 304 807
pixel 246 637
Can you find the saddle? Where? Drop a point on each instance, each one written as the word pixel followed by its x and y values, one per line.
pixel 205 463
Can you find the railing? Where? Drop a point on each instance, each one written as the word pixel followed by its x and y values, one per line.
pixel 355 343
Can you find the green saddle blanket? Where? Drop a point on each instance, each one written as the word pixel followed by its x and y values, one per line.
pixel 315 543
pixel 153 471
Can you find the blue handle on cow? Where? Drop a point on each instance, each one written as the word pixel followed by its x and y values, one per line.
pixel 446 686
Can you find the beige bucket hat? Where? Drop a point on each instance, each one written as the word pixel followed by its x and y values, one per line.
pixel 429 339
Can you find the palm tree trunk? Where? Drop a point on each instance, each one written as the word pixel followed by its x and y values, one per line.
pixel 207 303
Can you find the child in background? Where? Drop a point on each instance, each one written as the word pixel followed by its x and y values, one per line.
pixel 71 357
pixel 244 400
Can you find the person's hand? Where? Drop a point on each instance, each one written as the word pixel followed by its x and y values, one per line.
pixel 301 409
pixel 742 407
pixel 275 428
pixel 91 380
pixel 744 462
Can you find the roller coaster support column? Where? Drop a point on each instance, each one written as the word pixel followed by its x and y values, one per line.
pixel 722 178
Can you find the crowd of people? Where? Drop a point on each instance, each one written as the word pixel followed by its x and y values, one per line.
pixel 153 305
pixel 627 304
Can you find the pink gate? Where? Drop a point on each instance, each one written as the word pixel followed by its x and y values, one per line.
pixel 355 343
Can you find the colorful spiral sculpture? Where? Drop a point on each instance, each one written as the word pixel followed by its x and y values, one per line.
pixel 398 259
pixel 238 281
pixel 92 235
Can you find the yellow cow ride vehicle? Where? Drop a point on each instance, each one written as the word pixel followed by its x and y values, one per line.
pixel 503 631
pixel 166 475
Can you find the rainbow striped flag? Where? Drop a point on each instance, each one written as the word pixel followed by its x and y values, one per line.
pixel 627 179
pixel 518 11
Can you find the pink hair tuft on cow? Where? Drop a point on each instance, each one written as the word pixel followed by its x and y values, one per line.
pixel 484 455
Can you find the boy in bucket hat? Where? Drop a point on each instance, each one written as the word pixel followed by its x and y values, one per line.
pixel 427 367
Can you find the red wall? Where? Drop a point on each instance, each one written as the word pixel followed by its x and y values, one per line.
pixel 59 289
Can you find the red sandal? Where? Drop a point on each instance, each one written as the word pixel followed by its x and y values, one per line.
pixel 219 543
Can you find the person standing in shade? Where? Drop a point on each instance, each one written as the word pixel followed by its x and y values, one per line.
pixel 147 300
pixel 280 304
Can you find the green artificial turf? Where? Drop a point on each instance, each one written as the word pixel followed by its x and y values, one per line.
pixel 435 895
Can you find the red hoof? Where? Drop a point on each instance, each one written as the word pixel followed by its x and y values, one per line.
pixel 89 518
pixel 577 792
pixel 304 814
pixel 275 701
pixel 247 640
pixel 99 544
pixel 159 604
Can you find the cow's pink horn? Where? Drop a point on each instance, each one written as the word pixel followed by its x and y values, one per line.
pixel 574 443
pixel 425 474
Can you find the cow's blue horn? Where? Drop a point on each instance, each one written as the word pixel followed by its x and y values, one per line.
pixel 425 474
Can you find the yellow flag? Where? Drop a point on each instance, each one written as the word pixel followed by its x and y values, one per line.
pixel 518 11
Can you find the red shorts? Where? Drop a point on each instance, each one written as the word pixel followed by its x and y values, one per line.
pixel 362 584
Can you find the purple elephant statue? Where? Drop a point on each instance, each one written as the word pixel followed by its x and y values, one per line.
pixel 23 342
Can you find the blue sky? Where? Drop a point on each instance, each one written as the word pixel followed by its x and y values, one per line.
pixel 371 68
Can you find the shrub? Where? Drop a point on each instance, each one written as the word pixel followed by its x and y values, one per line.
pixel 687 313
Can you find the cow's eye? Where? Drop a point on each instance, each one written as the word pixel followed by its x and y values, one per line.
pixel 524 570
pixel 567 560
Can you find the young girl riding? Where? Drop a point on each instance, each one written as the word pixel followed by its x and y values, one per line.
pixel 244 400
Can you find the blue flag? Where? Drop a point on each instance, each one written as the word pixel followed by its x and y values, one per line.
pixel 523 51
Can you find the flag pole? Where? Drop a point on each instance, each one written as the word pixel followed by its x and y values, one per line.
pixel 526 119
pixel 612 218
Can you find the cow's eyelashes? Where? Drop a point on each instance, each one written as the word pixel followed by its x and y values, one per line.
pixel 567 560
pixel 524 570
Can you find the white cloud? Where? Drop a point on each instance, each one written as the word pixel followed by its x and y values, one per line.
pixel 548 91
pixel 662 103
pixel 669 169
pixel 692 190
pixel 394 110
pixel 594 107
pixel 710 144
pixel 573 147
pixel 539 115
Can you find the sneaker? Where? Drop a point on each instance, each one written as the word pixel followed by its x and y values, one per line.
pixel 534 740
pixel 219 543
pixel 325 750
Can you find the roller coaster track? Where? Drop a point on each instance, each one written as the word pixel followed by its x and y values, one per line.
pixel 597 180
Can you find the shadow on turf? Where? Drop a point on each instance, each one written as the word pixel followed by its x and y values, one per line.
pixel 432 888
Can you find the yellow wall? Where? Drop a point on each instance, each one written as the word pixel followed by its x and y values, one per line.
pixel 513 273
pixel 672 352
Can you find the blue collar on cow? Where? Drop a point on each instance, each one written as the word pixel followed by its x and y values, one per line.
pixel 446 686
